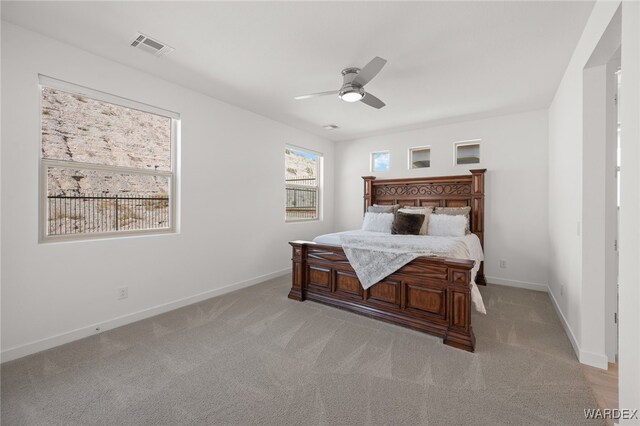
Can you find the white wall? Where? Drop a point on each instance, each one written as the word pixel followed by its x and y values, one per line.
pixel 593 211
pixel 629 347
pixel 514 152
pixel 232 228
pixel 566 125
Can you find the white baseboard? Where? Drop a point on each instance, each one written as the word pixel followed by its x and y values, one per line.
pixel 593 359
pixel 60 339
pixel 585 357
pixel 518 284
pixel 565 325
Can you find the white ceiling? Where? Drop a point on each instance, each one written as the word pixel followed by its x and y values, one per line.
pixel 447 60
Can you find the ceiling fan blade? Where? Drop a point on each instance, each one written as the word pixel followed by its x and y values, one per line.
pixel 371 100
pixel 315 95
pixel 369 71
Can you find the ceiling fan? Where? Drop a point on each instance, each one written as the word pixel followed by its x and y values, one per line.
pixel 352 89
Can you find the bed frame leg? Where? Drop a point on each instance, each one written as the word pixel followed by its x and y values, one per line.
pixel 298 269
pixel 459 333
pixel 480 280
pixel 461 341
pixel 296 295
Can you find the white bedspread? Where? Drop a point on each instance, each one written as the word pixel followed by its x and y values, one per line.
pixel 375 255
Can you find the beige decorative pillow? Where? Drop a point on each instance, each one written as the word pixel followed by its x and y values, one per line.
pixel 377 208
pixel 456 211
pixel 419 207
pixel 426 211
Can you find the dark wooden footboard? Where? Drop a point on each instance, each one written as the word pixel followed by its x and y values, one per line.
pixel 429 294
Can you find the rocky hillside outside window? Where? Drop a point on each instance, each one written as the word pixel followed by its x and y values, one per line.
pixel 107 164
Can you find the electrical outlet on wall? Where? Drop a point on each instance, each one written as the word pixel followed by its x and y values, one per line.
pixel 123 292
pixel 503 264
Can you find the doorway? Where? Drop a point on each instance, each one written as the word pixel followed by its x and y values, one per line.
pixel 612 206
pixel 600 200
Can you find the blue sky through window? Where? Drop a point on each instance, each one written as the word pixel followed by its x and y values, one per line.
pixel 380 161
pixel 306 155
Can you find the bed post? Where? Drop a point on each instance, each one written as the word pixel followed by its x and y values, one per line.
pixel 298 269
pixel 477 221
pixel 368 191
pixel 459 333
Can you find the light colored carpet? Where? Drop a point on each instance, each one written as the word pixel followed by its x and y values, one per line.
pixel 255 357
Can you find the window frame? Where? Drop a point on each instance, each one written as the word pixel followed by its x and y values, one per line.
pixel 371 162
pixel 43 164
pixel 410 159
pixel 467 143
pixel 319 185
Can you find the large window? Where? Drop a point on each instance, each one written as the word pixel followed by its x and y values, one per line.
pixel 302 184
pixel 107 164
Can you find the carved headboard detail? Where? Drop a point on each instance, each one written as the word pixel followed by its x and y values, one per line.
pixel 441 191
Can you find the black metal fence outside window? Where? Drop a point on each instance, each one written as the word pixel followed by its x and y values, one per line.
pixel 92 214
pixel 302 198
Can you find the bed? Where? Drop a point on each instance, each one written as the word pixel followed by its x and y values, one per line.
pixel 431 294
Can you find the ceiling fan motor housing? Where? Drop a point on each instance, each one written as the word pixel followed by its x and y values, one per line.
pixel 350 92
pixel 350 73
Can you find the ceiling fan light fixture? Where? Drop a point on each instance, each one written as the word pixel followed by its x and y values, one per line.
pixel 351 97
pixel 351 93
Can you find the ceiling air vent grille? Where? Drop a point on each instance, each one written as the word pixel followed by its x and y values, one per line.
pixel 150 45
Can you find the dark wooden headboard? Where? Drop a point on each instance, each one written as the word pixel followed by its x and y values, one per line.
pixel 441 191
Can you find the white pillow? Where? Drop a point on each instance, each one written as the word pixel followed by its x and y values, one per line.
pixel 420 210
pixel 378 222
pixel 445 225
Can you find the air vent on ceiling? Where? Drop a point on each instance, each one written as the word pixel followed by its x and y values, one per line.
pixel 330 127
pixel 150 45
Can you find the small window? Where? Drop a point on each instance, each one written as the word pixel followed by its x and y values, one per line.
pixel 380 161
pixel 302 184
pixel 467 153
pixel 419 157
pixel 107 164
